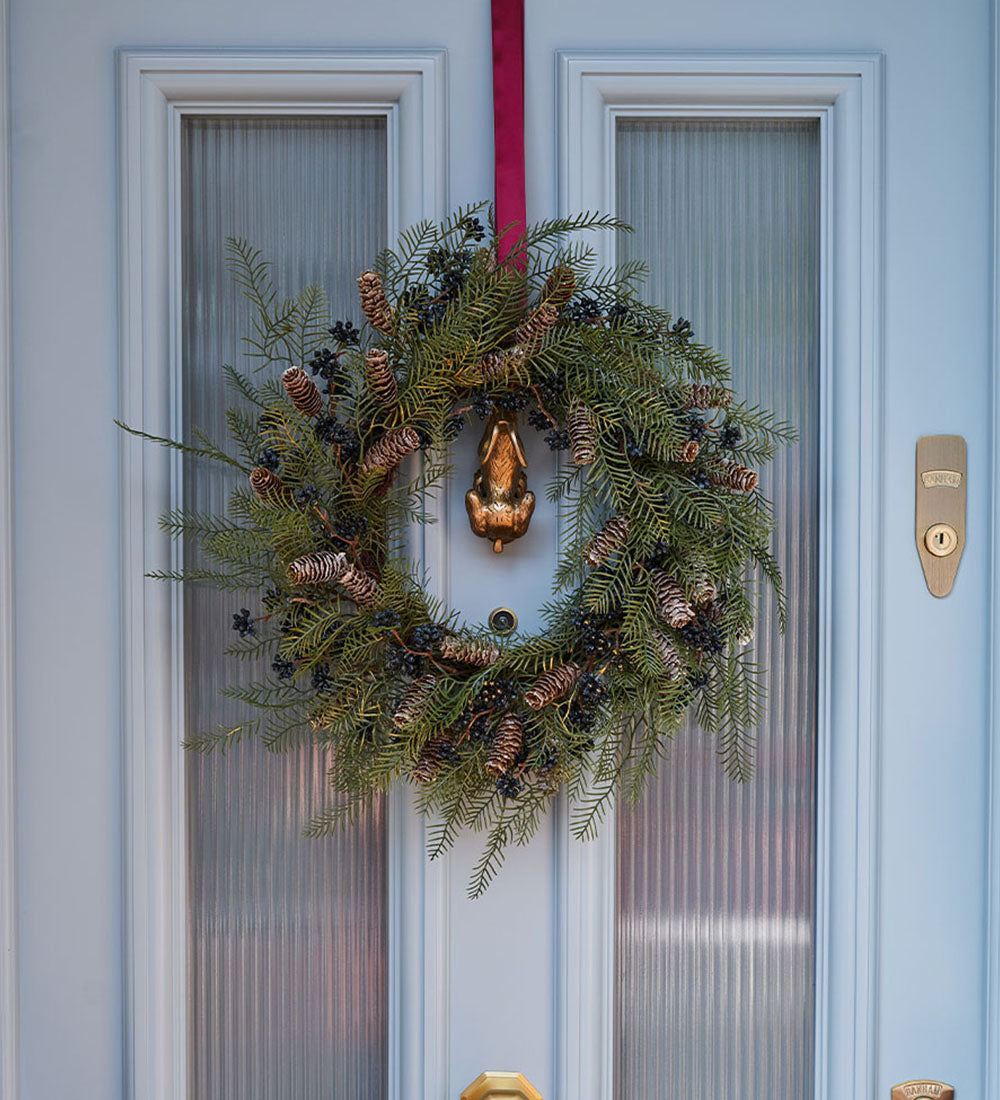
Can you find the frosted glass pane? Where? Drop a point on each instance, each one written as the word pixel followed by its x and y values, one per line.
pixel 286 936
pixel 715 912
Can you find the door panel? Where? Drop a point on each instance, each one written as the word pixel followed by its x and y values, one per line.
pixel 715 885
pixel 914 979
pixel 286 959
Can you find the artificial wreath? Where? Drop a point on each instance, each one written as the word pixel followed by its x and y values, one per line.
pixel 340 435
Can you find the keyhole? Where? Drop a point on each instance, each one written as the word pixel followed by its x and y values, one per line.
pixel 941 539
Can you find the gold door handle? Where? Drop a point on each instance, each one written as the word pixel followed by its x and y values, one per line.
pixel 502 1085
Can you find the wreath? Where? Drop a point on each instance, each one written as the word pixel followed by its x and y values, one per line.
pixel 341 434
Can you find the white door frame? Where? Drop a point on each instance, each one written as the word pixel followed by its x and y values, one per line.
pixel 844 93
pixel 156 89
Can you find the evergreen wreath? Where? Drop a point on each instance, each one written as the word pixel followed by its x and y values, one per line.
pixel 666 532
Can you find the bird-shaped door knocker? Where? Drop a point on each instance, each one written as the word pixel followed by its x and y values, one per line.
pixel 499 503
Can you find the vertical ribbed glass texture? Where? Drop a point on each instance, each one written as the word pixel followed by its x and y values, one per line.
pixel 715 911
pixel 286 935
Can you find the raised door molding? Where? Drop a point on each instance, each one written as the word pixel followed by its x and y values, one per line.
pixel 156 89
pixel 844 93
pixel 8 868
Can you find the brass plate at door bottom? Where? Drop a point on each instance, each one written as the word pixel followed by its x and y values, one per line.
pixel 501 1085
pixel 923 1090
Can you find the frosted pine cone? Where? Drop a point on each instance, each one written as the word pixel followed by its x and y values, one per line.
pixel 532 332
pixel 476 652
pixel 432 757
pixel 702 395
pixel 689 452
pixel 607 541
pixel 268 486
pixel 391 449
pixel 552 685
pixel 673 666
pixel 496 365
pixel 413 702
pixel 303 391
pixel 559 287
pixel 381 380
pixel 674 606
pixel 319 567
pixel 702 588
pixel 507 742
pixel 732 475
pixel 359 585
pixel 374 302
pixel 581 434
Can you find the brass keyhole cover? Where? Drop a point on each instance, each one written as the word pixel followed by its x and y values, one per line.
pixel 941 539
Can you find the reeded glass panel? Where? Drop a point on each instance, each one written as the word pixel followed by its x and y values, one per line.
pixel 286 936
pixel 715 911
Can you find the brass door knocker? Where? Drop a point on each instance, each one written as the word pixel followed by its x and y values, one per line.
pixel 499 503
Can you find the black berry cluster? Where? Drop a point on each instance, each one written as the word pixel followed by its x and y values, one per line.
pixel 619 313
pixel 558 440
pixel 453 427
pixel 698 678
pixel 701 479
pixel 591 689
pixel 345 333
pixel 400 659
pixel 349 525
pixel 478 725
pixel 509 785
pixel 696 427
pixel 339 435
pixel 387 617
pixel 496 693
pixel 306 494
pixel 243 623
pixel 551 387
pixel 472 228
pixel 270 459
pixel 282 667
pixel 322 681
pixel 513 400
pixel 539 421
pixel 681 329
pixel 594 631
pixel 701 633
pixel 482 404
pixel 584 310
pixel 326 364
pixel 426 636
pixel 730 435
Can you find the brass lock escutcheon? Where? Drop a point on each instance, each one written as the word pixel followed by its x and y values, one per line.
pixel 940 512
pixel 923 1090
pixel 501 1085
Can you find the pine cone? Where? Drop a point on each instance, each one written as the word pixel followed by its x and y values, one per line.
pixel 268 486
pixel 673 666
pixel 610 538
pixel 703 395
pixel 689 452
pixel 391 449
pixel 496 365
pixel 552 685
pixel 674 606
pixel 702 588
pixel 431 757
pixel 532 332
pixel 507 741
pixel 413 701
pixel 319 567
pixel 734 476
pixel 303 391
pixel 374 302
pixel 476 652
pixel 362 587
pixel 581 434
pixel 381 380
pixel 559 287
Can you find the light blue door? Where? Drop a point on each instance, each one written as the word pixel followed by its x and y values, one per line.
pixel 814 187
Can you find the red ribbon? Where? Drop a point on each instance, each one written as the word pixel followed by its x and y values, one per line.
pixel 508 125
